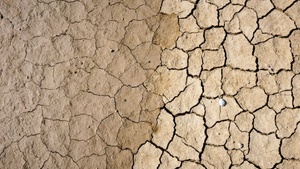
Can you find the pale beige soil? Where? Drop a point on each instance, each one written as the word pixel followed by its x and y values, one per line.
pixel 124 84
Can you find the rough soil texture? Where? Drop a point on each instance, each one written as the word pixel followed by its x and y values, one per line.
pixel 120 84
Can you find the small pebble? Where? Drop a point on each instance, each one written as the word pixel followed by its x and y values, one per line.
pixel 222 102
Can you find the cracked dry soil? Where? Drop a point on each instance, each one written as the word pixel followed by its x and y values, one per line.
pixel 124 84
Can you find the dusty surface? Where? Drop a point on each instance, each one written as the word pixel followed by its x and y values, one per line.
pixel 124 84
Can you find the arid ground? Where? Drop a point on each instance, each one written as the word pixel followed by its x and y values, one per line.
pixel 120 84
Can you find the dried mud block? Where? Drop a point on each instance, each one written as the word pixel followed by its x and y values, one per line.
pixel 79 149
pixel 55 135
pixel 296 64
pixel 155 5
pixel 239 2
pixel 213 59
pixel 112 30
pixel 295 45
pixel 186 99
pixel 93 161
pixel 277 23
pixel 151 101
pixel 244 21
pixel 128 102
pixel 288 147
pixel 60 162
pixel 129 129
pixel 215 157
pixel 212 83
pixel 296 90
pixel 83 127
pixel 288 164
pixel 41 51
pixel 167 161
pixel 188 24
pixel 282 4
pixel 260 37
pixel 167 32
pixel 166 82
pixel 234 80
pixel 206 14
pixel 174 58
pixel 244 121
pixel 286 122
pixel 122 61
pixel 237 157
pixel 164 129
pixel 195 62
pixel 99 107
pixel 274 54
pixel 264 120
pixel 218 134
pixel 109 128
pixel 188 164
pixel 190 41
pixel 219 3
pixel 280 101
pixel 247 19
pixel 102 83
pixel 239 52
pixel 293 12
pixel 137 32
pixel 191 128
pixel 116 12
pixel 227 13
pixel 238 140
pixel 251 99
pixel 6 35
pixel 264 150
pixel 12 157
pixel 133 4
pixel 180 150
pixel 215 113
pixel 274 83
pixel 15 128
pixel 75 12
pixel 180 8
pixel 199 110
pixel 117 158
pixel 147 157
pixel 261 10
pixel 59 109
pixel 144 12
pixel 135 75
pixel 213 38
pixel 82 30
pixel 34 150
pixel 245 164
pixel 148 55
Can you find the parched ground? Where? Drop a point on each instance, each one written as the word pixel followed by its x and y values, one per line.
pixel 124 84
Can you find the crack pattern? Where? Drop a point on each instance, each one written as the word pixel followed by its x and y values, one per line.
pixel 136 84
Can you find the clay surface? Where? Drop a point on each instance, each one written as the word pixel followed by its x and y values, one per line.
pixel 122 84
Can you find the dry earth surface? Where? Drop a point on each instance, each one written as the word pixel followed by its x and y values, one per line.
pixel 124 84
